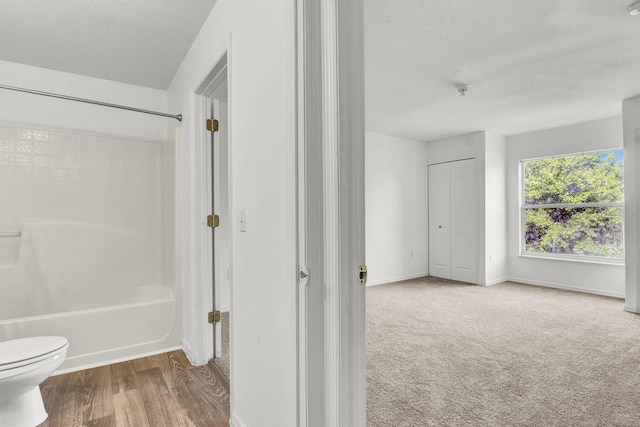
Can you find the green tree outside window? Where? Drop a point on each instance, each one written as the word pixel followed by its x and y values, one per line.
pixel 573 205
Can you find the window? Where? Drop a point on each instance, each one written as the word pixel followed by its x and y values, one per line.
pixel 572 206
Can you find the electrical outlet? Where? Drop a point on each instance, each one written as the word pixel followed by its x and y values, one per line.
pixel 243 220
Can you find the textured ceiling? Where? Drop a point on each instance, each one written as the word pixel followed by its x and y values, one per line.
pixel 529 64
pixel 141 42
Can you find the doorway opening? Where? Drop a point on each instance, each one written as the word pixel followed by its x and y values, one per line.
pixel 219 157
pixel 216 196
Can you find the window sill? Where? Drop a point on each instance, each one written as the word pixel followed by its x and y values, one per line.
pixel 587 260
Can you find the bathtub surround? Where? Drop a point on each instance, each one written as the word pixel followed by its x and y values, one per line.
pixel 85 262
pixel 24 110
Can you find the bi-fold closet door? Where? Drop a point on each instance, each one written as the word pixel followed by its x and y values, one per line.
pixel 453 221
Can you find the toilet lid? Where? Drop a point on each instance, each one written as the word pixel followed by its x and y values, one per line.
pixel 16 353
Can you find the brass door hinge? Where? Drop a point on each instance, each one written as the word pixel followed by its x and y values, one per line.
pixel 214 316
pixel 363 274
pixel 212 125
pixel 213 221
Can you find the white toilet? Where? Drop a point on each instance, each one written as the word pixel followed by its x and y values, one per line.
pixel 24 364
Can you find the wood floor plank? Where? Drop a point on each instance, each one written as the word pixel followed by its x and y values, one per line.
pixel 145 363
pixel 172 366
pixel 205 398
pixel 123 377
pixel 156 398
pixel 67 410
pixel 108 421
pixel 119 395
pixel 129 409
pixel 48 391
pixel 193 407
pixel 218 373
pixel 98 394
pixel 179 357
pixel 70 382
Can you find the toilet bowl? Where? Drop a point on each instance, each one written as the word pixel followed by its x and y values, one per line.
pixel 24 364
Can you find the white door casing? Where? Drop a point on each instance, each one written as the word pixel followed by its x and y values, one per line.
pixel 331 211
pixel 221 234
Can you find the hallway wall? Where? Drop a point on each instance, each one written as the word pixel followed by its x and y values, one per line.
pixel 263 327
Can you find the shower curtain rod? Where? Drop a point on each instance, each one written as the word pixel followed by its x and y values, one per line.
pixel 178 117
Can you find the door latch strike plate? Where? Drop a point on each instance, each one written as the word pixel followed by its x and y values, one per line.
pixel 303 274
pixel 363 274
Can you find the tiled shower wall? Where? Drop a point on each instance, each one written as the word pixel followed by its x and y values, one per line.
pixel 168 211
pixel 80 192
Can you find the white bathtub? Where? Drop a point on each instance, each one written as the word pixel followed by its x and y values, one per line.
pixel 96 285
pixel 138 323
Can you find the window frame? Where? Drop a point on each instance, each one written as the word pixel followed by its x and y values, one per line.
pixel 557 256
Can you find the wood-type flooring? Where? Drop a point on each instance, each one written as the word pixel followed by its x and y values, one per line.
pixel 161 390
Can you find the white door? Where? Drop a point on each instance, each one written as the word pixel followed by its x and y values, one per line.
pixel 452 221
pixel 439 221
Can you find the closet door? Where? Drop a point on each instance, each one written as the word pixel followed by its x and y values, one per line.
pixel 439 220
pixel 452 221
pixel 464 214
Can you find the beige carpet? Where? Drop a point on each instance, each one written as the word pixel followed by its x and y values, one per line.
pixel 222 362
pixel 441 353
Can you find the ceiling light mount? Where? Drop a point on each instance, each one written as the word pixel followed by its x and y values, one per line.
pixel 634 9
pixel 462 90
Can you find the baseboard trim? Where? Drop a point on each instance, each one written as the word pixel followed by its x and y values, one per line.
pixel 496 281
pixel 235 422
pixel 187 350
pixel 567 287
pixel 116 360
pixel 218 373
pixel 396 279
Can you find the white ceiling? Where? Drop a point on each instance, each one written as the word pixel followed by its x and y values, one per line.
pixel 529 64
pixel 141 42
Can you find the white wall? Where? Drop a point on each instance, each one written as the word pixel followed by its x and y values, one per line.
pixel 588 277
pixel 26 110
pixel 631 126
pixel 396 200
pixel 460 148
pixel 495 195
pixel 262 150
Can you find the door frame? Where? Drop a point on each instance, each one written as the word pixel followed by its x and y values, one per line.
pixel 339 101
pixel 218 181
pixel 203 258
pixel 330 128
